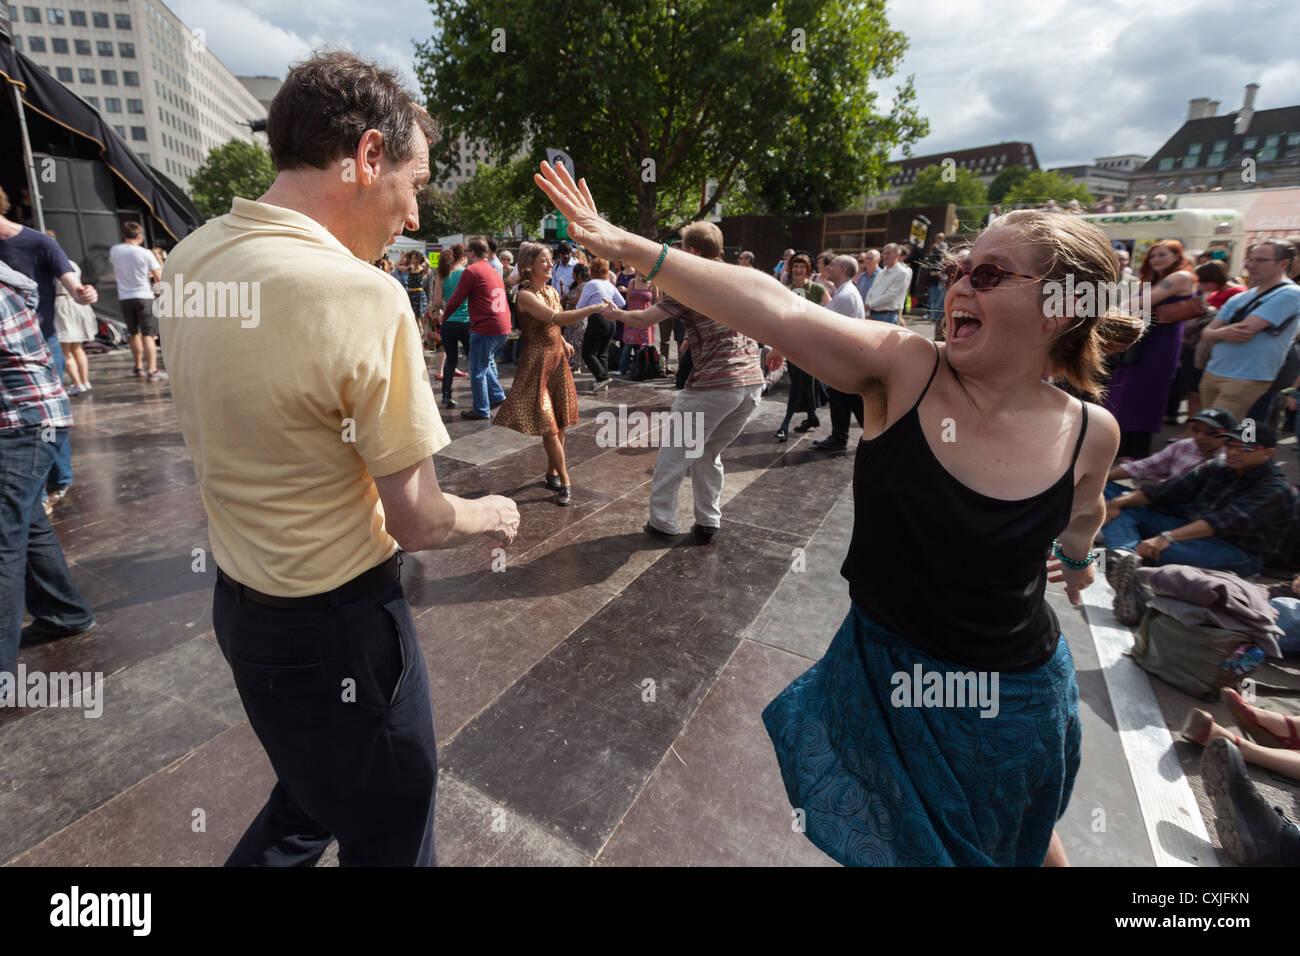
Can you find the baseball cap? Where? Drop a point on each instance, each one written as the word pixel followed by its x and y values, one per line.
pixel 1263 435
pixel 1219 418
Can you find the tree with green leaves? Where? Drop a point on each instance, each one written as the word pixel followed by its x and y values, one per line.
pixel 654 100
pixel 437 214
pixel 497 197
pixel 1042 185
pixel 1003 181
pixel 938 184
pixel 238 168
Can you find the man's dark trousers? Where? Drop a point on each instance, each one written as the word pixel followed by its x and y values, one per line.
pixel 842 405
pixel 339 698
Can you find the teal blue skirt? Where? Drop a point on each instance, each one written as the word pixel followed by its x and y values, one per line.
pixel 892 763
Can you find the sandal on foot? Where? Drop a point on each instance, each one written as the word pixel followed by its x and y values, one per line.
pixel 1254 729
pixel 1198 727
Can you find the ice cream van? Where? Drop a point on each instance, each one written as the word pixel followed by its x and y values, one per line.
pixel 1206 229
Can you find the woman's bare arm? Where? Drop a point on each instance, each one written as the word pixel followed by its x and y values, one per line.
pixel 845 353
pixel 536 306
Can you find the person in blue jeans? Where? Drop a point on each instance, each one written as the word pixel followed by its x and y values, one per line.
pixel 484 386
pixel 1228 515
pixel 33 571
pixel 489 325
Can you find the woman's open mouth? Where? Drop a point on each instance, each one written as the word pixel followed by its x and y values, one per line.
pixel 964 325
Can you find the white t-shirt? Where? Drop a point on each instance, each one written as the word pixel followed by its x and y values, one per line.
pixel 131 265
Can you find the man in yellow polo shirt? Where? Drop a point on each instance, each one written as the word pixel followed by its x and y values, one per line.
pixel 301 391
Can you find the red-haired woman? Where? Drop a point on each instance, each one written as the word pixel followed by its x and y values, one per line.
pixel 1140 384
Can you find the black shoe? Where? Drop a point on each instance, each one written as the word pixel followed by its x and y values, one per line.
pixel 553 482
pixel 449 403
pixel 656 533
pixel 781 435
pixel 830 444
pixel 474 416
pixel 564 497
pixel 703 533
pixel 1249 829
pixel 807 425
pixel 40 631
pixel 496 403
pixel 1130 598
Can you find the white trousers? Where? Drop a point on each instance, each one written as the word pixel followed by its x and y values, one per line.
pixel 724 412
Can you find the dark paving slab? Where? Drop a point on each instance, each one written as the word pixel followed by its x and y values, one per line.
pixel 716 798
pixel 471 830
pixel 154 823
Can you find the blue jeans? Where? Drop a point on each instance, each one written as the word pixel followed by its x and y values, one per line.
pixel 32 567
pixel 625 358
pixel 1288 618
pixel 483 372
pixel 1137 524
pixel 934 303
pixel 884 316
pixel 61 471
pixel 1114 489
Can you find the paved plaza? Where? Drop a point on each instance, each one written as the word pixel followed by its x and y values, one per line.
pixel 597 693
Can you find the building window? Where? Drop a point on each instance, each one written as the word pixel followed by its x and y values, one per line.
pixel 108 77
pixel 93 101
pixel 1215 159
pixel 36 44
pixel 104 47
pixel 123 20
pixel 112 105
pixel 65 74
pixel 130 78
pixel 86 75
pixel 58 45
pixel 1189 162
pixel 144 157
pixel 13 13
pixel 55 15
pixel 120 131
pixel 100 20
pixel 18 43
pixel 126 50
pixel 1266 154
pixel 135 106
pixel 1293 139
pixel 138 134
pixel 32 14
pixel 1250 142
pixel 82 47
pixel 77 18
pixel 1166 164
pixel 1194 149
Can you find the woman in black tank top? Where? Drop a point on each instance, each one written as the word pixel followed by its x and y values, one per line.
pixel 941 726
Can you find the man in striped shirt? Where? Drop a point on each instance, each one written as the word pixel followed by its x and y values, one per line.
pixel 723 391
pixel 1206 431
pixel 33 406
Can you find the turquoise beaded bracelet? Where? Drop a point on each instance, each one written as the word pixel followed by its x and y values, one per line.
pixel 1070 562
pixel 662 253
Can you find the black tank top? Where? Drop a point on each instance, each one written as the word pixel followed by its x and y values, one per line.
pixel 958 574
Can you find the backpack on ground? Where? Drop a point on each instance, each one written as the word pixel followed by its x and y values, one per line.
pixel 112 333
pixel 646 364
pixel 1189 658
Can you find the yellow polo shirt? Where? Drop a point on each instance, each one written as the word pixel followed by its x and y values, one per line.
pixel 298 375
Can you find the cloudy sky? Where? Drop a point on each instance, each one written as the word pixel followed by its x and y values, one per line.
pixel 1077 78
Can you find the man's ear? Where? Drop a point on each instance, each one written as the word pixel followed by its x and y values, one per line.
pixel 369 156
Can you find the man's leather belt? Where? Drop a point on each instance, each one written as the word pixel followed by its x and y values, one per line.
pixel 363 585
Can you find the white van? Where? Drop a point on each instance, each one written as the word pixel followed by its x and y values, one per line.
pixel 1207 229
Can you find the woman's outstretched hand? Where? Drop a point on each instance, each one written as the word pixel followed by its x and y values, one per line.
pixel 574 200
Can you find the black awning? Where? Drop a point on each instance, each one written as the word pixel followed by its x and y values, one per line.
pixel 45 96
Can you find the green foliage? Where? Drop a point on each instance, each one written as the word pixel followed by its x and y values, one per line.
pixel 1003 181
pixel 436 214
pixel 775 97
pixel 498 197
pixel 929 188
pixel 1041 185
pixel 239 169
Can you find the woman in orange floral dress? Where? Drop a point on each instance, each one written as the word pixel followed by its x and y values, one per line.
pixel 543 400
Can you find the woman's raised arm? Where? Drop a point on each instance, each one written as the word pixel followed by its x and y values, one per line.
pixel 845 353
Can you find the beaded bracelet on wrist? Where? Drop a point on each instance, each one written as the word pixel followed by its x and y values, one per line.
pixel 1071 562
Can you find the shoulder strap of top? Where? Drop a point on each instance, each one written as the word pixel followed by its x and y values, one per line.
pixel 934 370
pixel 1083 430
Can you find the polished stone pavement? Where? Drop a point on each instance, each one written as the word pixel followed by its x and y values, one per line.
pixel 597 701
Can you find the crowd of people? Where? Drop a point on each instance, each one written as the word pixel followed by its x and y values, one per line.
pixel 1056 413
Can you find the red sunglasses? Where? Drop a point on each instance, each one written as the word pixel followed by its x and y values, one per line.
pixel 983 277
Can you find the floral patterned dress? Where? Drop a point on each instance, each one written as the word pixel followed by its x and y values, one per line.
pixel 543 398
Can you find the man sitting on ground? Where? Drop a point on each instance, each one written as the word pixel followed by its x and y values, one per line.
pixel 1206 432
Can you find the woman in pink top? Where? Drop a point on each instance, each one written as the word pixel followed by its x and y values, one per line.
pixel 640 295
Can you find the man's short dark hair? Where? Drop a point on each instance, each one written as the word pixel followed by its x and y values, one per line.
pixel 132 230
pixel 492 245
pixel 328 102
pixel 478 245
pixel 1212 271
pixel 1282 249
